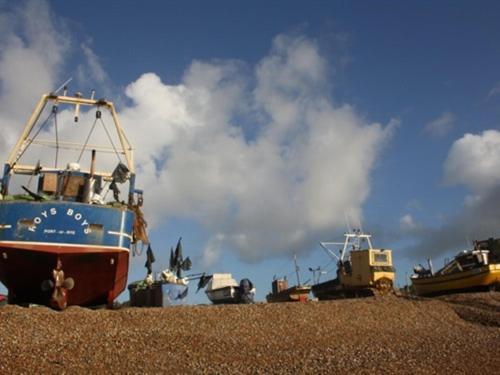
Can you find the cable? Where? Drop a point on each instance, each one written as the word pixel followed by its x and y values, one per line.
pixel 87 140
pixel 111 141
pixel 32 139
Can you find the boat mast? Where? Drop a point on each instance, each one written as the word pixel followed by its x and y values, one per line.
pixel 355 237
pixel 296 268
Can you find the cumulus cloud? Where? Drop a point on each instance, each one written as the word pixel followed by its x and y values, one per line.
pixel 260 157
pixel 31 57
pixel 473 161
pixel 34 47
pixel 441 125
pixel 475 221
pixel 272 187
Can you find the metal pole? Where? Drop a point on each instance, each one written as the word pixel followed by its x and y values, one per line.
pixel 296 268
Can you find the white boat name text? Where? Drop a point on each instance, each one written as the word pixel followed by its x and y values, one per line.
pixel 52 212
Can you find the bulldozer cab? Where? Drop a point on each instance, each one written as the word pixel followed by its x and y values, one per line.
pixel 380 257
pixel 367 266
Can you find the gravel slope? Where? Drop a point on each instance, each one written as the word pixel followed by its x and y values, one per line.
pixel 458 333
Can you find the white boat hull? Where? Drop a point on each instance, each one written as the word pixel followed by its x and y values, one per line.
pixel 227 294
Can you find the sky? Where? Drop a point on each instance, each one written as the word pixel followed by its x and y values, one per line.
pixel 261 128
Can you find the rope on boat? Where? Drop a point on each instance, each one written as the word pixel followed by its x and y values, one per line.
pixel 139 231
pixel 111 141
pixel 140 224
pixel 87 140
pixel 98 116
pixel 30 140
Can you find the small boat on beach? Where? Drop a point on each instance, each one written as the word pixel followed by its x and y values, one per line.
pixel 223 288
pixel 282 293
pixel 169 288
pixel 469 270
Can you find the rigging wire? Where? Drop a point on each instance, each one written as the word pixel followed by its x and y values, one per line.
pixel 30 140
pixel 327 265
pixel 110 140
pixel 37 170
pixel 87 140
pixel 98 116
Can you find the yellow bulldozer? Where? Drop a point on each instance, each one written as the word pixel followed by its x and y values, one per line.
pixel 361 271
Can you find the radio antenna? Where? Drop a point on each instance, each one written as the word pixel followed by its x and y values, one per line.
pixel 63 85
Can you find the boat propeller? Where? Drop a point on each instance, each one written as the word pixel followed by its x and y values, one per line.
pixel 59 286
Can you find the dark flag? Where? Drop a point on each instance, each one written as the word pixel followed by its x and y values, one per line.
pixel 204 279
pixel 183 294
pixel 150 259
pixel 178 251
pixel 186 264
pixel 172 260
pixel 178 257
pixel 120 173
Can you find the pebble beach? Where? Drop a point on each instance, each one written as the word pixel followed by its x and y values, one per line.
pixel 453 334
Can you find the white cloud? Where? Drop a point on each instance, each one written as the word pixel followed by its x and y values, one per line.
pixel 441 125
pixel 474 161
pixel 34 47
pixel 91 69
pixel 281 190
pixel 31 56
pixel 212 251
pixel 477 220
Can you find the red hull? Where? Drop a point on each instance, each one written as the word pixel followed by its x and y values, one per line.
pixel 99 273
pixel 293 294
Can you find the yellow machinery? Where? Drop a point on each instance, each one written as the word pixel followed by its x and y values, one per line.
pixel 365 272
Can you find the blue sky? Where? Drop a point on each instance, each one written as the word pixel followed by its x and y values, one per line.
pixel 259 127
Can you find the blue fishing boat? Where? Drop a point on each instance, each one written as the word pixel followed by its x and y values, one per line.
pixel 62 242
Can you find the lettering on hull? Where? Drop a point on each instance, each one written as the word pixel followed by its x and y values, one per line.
pixel 53 212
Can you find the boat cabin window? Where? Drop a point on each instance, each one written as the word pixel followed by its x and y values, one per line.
pixel 380 258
